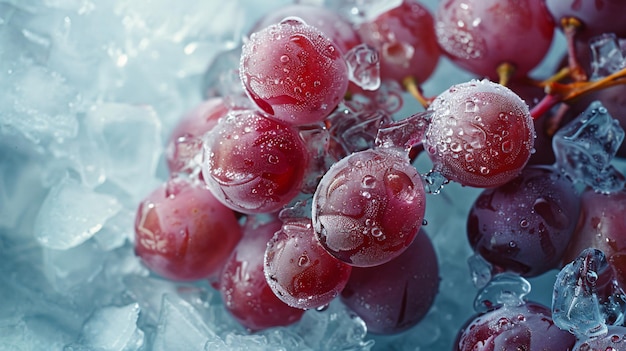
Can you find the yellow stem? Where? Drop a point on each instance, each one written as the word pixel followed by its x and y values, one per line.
pixel 505 72
pixel 410 84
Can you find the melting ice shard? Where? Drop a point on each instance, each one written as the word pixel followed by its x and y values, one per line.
pixel 607 56
pixel 504 289
pixel 585 147
pixel 364 66
pixel 587 297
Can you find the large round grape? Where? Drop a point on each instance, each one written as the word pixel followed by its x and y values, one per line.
pixel 293 72
pixel 254 164
pixel 479 35
pixel 368 207
pixel 396 295
pixel 405 38
pixel 481 134
pixel 243 287
pixel 528 327
pixel 298 269
pixel 602 225
pixel 182 232
pixel 524 226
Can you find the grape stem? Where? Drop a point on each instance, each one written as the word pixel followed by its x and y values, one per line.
pixel 571 26
pixel 505 72
pixel 411 85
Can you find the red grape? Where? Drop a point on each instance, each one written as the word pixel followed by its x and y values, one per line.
pixel 298 269
pixel 481 134
pixel 525 225
pixel 368 207
pixel 528 327
pixel 396 295
pixel 596 16
pixel 245 292
pixel 614 340
pixel 602 225
pixel 330 23
pixel 185 142
pixel 254 164
pixel 480 35
pixel 293 72
pixel 183 232
pixel 405 38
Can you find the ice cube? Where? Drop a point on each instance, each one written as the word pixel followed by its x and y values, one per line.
pixel 113 328
pixel 606 55
pixel 364 66
pixel 504 289
pixel 71 214
pixel 585 147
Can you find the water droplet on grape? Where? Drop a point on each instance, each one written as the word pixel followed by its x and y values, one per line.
pixel 284 59
pixel 376 232
pixel 368 181
pixel 471 106
pixel 524 223
pixel 484 170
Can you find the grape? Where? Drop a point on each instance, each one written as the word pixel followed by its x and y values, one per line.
pixel 331 24
pixel 254 164
pixel 602 225
pixel 480 35
pixel 243 287
pixel 481 134
pixel 525 225
pixel 182 232
pixel 368 207
pixel 596 17
pixel 396 295
pixel 185 142
pixel 405 38
pixel 528 327
pixel 298 269
pixel 614 340
pixel 293 72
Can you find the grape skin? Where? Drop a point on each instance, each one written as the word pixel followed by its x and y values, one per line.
pixel 597 17
pixel 293 72
pixel 479 35
pixel 182 232
pixel 525 225
pixel 254 164
pixel 368 207
pixel 396 295
pixel 528 327
pixel 481 134
pixel 243 287
pixel 298 269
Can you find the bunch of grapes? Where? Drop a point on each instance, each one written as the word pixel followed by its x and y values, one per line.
pixel 301 187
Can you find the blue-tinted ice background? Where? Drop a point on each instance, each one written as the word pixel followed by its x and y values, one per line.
pixel 89 90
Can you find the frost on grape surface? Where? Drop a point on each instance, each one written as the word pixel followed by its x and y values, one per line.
pixel 585 147
pixel 586 296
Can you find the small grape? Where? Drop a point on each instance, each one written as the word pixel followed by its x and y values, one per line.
pixel 293 72
pixel 243 287
pixel 396 295
pixel 481 134
pixel 405 38
pixel 254 164
pixel 182 232
pixel 298 269
pixel 524 226
pixel 368 207
pixel 527 327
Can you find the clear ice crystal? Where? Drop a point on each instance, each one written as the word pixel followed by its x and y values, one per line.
pixel 480 270
pixel 364 66
pixel 71 214
pixel 221 78
pixel 434 181
pixel 607 55
pixel 113 328
pixel 585 147
pixel 504 289
pixel 404 133
pixel 587 297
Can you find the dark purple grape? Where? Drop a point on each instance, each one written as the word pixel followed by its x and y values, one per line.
pixel 298 269
pixel 614 340
pixel 524 226
pixel 596 16
pixel 396 295
pixel 528 327
pixel 368 207
pixel 245 292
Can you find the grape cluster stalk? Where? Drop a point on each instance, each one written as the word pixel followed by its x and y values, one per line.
pixel 300 187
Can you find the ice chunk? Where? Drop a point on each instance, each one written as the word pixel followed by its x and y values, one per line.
pixel 181 327
pixel 62 271
pixel 128 140
pixel 113 328
pixel 585 147
pixel 587 297
pixel 364 66
pixel 221 77
pixel 116 230
pixel 504 289
pixel 607 56
pixel 71 214
pixel 480 270
pixel 404 133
